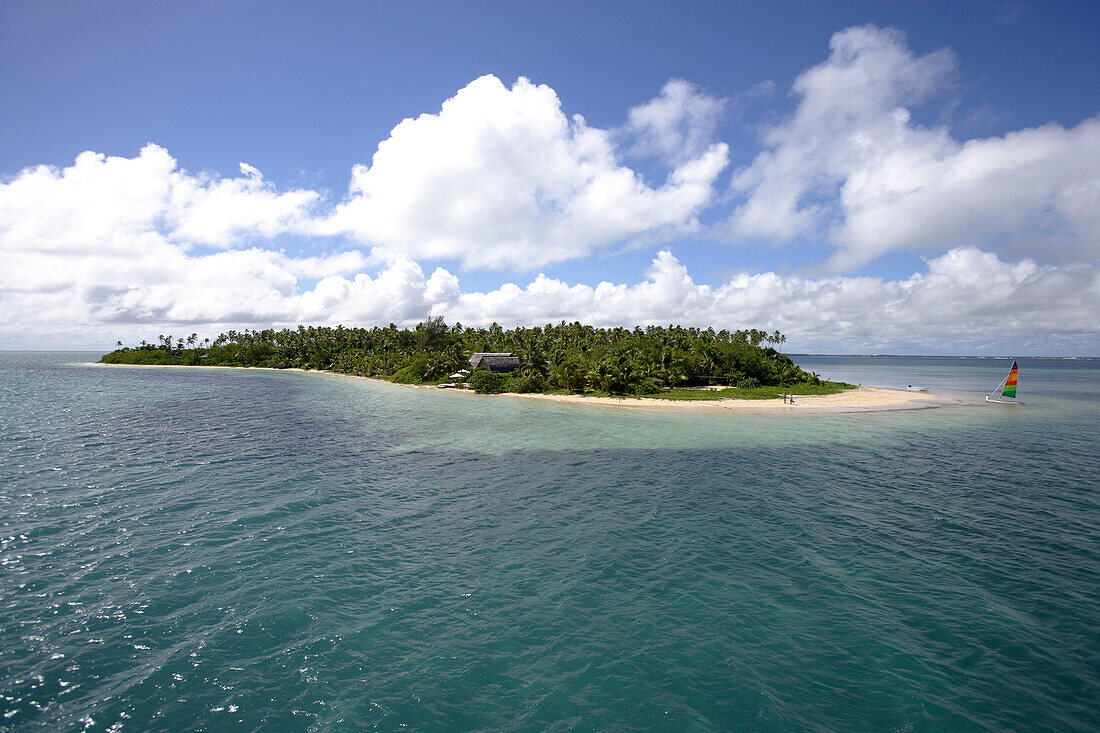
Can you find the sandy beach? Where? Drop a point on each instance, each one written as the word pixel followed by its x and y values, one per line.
pixel 860 399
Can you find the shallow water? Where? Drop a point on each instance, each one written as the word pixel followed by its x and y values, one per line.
pixel 217 550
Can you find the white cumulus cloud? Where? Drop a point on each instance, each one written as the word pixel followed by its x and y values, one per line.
pixel 502 178
pixel 964 300
pixel 216 211
pixel 114 204
pixel 109 243
pixel 126 248
pixel 851 168
pixel 979 302
pixel 679 124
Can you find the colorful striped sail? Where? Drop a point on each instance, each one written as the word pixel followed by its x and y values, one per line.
pixel 1010 383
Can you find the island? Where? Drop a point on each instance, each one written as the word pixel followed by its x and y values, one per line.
pixel 652 367
pixel 671 362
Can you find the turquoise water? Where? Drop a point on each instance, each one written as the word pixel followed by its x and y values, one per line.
pixel 236 550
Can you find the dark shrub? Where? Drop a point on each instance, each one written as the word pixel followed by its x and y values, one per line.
pixel 414 372
pixel 533 383
pixel 484 381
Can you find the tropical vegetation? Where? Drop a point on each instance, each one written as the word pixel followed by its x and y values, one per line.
pixel 566 357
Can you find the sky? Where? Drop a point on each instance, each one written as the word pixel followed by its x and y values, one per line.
pixel 865 177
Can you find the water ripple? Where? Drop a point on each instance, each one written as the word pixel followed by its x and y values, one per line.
pixel 213 551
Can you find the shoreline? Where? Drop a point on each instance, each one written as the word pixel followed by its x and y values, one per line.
pixel 860 399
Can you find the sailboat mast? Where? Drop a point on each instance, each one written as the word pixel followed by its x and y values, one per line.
pixel 1005 393
pixel 997 390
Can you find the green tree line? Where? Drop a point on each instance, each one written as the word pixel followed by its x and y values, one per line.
pixel 569 357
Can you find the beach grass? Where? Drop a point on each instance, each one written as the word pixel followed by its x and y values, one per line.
pixel 752 393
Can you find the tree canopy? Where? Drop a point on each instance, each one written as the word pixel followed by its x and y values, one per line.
pixel 570 357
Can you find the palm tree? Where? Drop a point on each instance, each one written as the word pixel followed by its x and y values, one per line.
pixel 570 374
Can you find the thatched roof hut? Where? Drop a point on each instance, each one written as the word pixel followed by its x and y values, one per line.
pixel 497 362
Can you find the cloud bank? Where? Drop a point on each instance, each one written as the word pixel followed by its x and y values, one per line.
pixel 501 178
pixel 852 169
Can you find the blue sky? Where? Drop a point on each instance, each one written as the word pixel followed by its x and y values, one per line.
pixel 304 92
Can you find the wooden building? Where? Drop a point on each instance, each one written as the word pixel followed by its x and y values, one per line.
pixel 497 362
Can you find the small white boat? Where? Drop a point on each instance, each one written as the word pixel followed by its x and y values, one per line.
pixel 914 388
pixel 1005 394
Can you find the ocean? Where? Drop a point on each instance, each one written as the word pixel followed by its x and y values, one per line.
pixel 191 549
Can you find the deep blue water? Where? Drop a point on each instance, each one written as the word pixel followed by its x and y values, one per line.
pixel 188 549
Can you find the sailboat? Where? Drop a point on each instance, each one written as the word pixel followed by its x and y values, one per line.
pixel 1005 394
